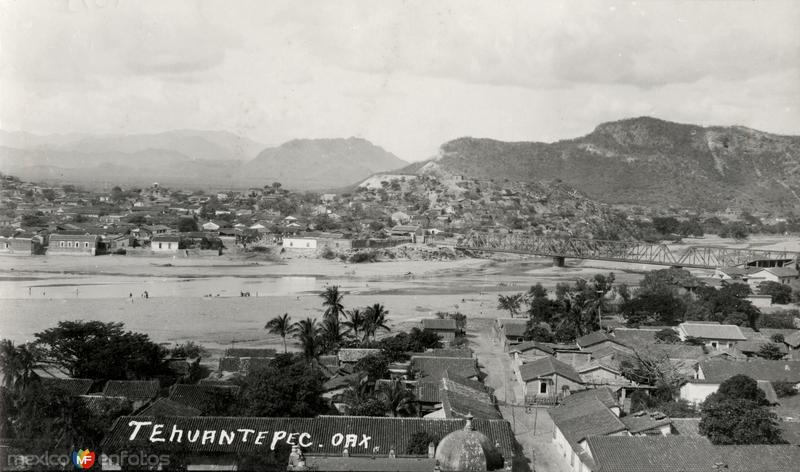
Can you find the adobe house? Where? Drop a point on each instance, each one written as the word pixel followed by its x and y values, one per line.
pixel 548 379
pixel 715 336
pixel 73 245
pixel 445 328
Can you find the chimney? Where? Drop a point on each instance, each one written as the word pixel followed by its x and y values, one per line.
pixel 431 450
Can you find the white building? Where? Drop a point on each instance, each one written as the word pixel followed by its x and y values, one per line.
pixel 299 243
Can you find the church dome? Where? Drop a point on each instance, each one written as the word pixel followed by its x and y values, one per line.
pixel 467 450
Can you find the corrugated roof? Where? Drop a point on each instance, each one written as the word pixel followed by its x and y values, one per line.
pixel 712 331
pixel 547 366
pixel 132 389
pixel 439 324
pixel 323 433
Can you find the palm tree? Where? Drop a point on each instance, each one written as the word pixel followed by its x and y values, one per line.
pixel 17 364
pixel 331 333
pixel 355 320
pixel 399 400
pixel 510 302
pixel 332 301
pixel 282 326
pixel 307 332
pixel 357 392
pixel 375 319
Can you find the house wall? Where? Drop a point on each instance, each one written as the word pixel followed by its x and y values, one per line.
pixel 16 246
pixel 601 376
pixel 697 392
pixel 446 336
pixel 554 385
pixel 71 248
pixel 164 246
pixel 299 243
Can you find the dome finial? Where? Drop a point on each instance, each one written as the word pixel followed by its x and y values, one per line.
pixel 468 425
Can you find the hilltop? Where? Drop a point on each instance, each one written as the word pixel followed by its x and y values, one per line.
pixel 647 161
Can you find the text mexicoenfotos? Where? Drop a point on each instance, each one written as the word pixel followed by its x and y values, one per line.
pixel 157 433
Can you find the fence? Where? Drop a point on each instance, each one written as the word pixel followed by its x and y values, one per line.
pixel 377 243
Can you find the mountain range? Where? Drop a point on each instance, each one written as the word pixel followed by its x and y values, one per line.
pixel 642 161
pixel 646 161
pixel 192 159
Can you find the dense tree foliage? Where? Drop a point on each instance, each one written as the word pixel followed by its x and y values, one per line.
pixel 98 350
pixel 737 414
pixel 419 441
pixel 288 387
pixel 780 293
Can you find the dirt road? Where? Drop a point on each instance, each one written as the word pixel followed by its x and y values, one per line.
pixel 533 427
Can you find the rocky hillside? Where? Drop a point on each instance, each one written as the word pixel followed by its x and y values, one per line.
pixel 648 161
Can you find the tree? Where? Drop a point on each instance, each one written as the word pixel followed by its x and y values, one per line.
pixel 307 332
pixel 332 301
pixel 374 367
pixel 282 326
pixel 541 308
pixel 398 399
pixel 355 321
pixel 511 303
pixel 770 351
pixel 376 318
pixel 17 363
pixel 331 334
pixel 737 414
pixel 98 350
pixel 660 308
pixel 372 406
pixel 291 389
pixel 187 225
pixel 654 369
pixel 780 293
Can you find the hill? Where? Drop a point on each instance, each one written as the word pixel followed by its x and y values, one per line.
pixel 320 163
pixel 193 159
pixel 649 162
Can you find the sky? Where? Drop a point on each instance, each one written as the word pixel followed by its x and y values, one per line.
pixel 406 75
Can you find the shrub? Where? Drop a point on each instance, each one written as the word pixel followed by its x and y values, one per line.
pixel 667 336
pixel 419 441
pixel 780 293
pixel 328 254
pixel 365 256
pixel 784 388
pixel 783 319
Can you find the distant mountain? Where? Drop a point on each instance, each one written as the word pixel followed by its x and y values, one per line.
pixel 193 159
pixel 646 161
pixel 307 164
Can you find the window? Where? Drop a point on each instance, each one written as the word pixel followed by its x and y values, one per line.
pixel 69 243
pixel 714 344
pixel 61 244
pixel 159 245
pixel 291 244
pixel 542 386
pixel 85 244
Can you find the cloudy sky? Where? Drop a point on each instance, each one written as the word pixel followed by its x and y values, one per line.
pixel 407 75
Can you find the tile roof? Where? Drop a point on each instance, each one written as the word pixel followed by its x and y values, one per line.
pixel 547 366
pixel 687 454
pixel 355 355
pixel 531 345
pixel 640 424
pixel 329 360
pixel 590 417
pixel 445 353
pixel 341 381
pixel 243 364
pixel 439 324
pixel 712 331
pixel 250 352
pixel 755 346
pixel 515 327
pixel 781 271
pixel 132 389
pixel 427 392
pixel 603 394
pixel 200 396
pixel 476 385
pixel 167 407
pixel 591 339
pixel 71 386
pixel 458 405
pixel 761 369
pixel 324 433
pixel 433 368
pixel 687 427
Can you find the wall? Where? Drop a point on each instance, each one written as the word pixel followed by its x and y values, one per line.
pixel 601 376
pixel 16 245
pixel 697 392
pixel 55 248
pixel 299 243
pixel 164 246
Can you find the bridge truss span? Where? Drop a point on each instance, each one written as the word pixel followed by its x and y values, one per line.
pixel 622 251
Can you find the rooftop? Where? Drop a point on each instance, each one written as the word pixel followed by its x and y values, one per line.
pixel 433 368
pixel 761 369
pixel 547 366
pixel 132 389
pixel 712 331
pixel 439 324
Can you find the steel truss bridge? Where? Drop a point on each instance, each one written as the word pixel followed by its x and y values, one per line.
pixel 701 257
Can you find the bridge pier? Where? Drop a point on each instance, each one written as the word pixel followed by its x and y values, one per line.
pixel 558 261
